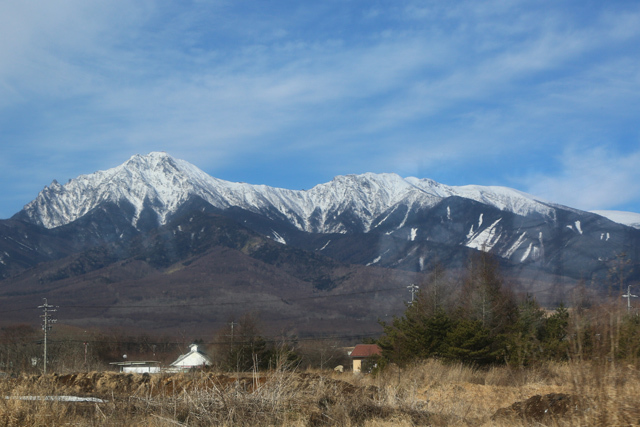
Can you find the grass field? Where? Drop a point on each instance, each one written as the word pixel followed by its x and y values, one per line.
pixel 428 393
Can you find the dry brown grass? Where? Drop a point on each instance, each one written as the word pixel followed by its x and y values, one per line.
pixel 602 394
pixel 461 395
pixel 428 393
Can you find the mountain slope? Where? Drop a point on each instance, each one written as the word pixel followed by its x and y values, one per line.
pixel 197 272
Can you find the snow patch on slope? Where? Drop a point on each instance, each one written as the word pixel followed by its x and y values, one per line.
pixel 527 252
pixel 486 239
pixel 515 246
pixel 278 238
pixel 578 227
pixel 375 261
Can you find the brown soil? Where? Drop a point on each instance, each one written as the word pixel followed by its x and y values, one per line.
pixel 538 408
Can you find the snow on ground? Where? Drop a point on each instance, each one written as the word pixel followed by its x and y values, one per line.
pixel 278 238
pixel 486 239
pixel 375 261
pixel 631 219
pixel 58 398
pixel 578 227
pixel 515 246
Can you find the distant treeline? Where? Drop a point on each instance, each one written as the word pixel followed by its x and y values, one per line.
pixel 474 318
pixel 480 321
pixel 240 346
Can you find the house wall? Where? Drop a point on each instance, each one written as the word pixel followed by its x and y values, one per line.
pixel 192 360
pixel 141 369
pixel 357 365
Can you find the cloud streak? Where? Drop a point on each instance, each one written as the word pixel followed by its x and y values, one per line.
pixel 591 178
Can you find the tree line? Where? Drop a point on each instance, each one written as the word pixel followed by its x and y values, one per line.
pixel 480 321
pixel 242 347
pixel 474 318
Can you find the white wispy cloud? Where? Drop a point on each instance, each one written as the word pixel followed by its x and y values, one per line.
pixel 485 91
pixel 591 178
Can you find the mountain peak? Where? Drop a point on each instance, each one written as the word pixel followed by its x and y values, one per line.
pixel 159 185
pixel 157 161
pixel 151 159
pixel 154 179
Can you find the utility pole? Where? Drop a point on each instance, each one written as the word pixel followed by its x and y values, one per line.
pixel 46 326
pixel 232 324
pixel 237 356
pixel 628 296
pixel 413 288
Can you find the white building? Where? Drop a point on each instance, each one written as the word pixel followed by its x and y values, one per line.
pixel 138 367
pixel 194 359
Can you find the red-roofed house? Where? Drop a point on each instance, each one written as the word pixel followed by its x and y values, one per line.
pixel 361 352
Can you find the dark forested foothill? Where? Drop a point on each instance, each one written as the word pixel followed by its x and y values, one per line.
pixel 483 323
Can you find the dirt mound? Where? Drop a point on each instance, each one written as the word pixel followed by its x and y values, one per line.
pixel 540 408
pixel 307 382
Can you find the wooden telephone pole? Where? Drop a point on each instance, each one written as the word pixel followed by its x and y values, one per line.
pixel 46 326
pixel 628 296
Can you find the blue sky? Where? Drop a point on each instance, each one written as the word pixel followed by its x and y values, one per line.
pixel 542 96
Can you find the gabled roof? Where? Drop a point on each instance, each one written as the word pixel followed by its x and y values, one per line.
pixel 366 350
pixel 194 358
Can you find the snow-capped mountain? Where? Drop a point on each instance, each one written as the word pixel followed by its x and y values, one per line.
pixel 158 227
pixel 161 183
pixel 408 216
